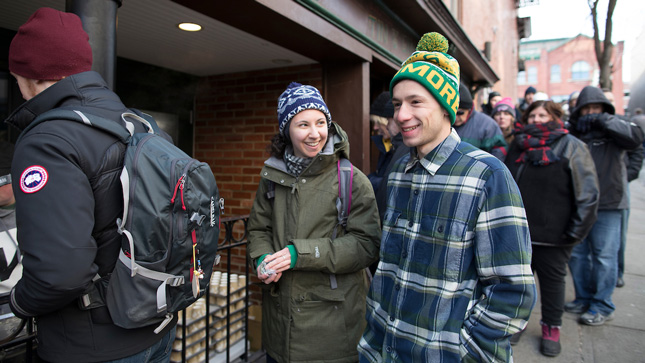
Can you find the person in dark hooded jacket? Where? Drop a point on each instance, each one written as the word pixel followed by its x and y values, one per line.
pixel 593 263
pixel 387 139
pixel 526 102
pixel 382 110
pixel 493 98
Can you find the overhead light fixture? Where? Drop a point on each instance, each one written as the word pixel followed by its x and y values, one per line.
pixel 189 27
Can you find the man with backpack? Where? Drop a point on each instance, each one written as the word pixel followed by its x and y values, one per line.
pixel 66 182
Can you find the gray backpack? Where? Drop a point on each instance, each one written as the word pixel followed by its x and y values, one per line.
pixel 170 225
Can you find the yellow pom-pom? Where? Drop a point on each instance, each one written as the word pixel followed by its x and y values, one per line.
pixel 433 42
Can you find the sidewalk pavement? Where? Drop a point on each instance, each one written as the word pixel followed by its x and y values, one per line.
pixel 619 340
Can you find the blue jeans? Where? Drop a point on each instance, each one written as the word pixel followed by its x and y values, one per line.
pixel 594 263
pixel 157 353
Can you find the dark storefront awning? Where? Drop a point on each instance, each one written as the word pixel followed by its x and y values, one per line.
pixel 321 30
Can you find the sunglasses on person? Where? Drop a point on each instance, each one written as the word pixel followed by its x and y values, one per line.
pixel 460 112
pixel 5 179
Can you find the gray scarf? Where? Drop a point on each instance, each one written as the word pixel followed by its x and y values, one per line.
pixel 295 165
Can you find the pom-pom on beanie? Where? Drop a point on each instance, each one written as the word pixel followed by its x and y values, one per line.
pixel 433 68
pixel 382 106
pixel 297 98
pixel 49 46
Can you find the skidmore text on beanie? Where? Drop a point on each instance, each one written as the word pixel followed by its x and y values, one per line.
pixel 437 71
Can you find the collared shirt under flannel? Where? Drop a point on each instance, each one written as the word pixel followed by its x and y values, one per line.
pixel 454 280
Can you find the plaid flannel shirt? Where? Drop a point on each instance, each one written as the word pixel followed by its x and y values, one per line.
pixel 454 280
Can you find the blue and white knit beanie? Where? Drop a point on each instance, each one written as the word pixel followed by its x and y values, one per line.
pixel 297 98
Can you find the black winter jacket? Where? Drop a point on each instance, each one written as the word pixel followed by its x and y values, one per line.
pixel 560 199
pixel 607 144
pixel 67 223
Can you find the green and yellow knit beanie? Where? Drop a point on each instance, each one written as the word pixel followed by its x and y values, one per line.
pixel 432 67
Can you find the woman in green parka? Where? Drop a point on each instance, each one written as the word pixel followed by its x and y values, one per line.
pixel 313 304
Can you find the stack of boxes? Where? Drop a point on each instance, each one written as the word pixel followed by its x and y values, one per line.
pixel 196 319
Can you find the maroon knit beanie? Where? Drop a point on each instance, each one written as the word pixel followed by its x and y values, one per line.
pixel 49 46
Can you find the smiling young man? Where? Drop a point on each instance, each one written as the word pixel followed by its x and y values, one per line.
pixel 454 280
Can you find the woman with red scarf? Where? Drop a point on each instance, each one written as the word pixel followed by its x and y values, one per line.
pixel 557 179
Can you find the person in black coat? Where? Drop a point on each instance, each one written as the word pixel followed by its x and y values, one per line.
pixel 557 179
pixel 493 98
pixel 66 184
pixel 525 102
pixel 382 113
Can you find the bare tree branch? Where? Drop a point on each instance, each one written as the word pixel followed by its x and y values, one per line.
pixel 593 6
pixel 604 50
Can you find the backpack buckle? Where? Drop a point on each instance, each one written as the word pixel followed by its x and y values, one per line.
pixel 197 218
pixel 175 281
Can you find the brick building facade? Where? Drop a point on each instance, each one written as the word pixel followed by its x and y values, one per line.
pixel 235 122
pixel 558 67
pixel 493 27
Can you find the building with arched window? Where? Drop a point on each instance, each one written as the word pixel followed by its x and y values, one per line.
pixel 561 66
pixel 580 71
pixel 555 74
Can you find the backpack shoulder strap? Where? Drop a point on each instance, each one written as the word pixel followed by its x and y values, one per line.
pixel 270 194
pixel 122 131
pixel 343 202
pixel 108 126
pixel 345 180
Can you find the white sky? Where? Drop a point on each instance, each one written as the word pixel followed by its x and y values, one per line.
pixel 568 18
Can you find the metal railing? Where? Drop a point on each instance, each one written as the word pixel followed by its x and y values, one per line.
pixel 230 242
pixel 25 336
pixel 18 336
